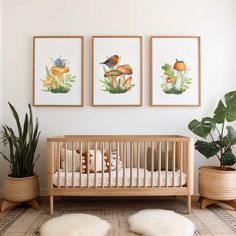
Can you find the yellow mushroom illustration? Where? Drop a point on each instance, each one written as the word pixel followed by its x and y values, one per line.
pixel 49 81
pixel 58 79
pixel 59 72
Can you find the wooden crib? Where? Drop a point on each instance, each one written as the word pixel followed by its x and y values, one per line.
pixel 118 165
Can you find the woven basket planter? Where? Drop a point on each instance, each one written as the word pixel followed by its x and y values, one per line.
pixel 217 184
pixel 21 189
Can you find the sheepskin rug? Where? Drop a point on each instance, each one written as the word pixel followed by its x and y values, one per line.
pixel 152 222
pixel 75 225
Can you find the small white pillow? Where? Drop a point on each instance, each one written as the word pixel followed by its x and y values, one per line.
pixel 99 161
pixel 113 161
pixel 69 160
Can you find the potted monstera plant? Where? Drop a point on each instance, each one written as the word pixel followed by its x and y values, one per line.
pixel 217 183
pixel 22 184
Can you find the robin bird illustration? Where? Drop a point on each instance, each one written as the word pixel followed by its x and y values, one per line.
pixel 111 61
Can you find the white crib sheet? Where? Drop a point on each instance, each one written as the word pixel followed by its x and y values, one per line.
pixel 69 178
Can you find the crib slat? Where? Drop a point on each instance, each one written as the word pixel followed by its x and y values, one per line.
pixel 181 162
pixel 65 161
pixel 58 164
pixel 95 164
pixel 110 147
pixel 88 163
pixel 52 163
pixel 145 163
pixel 166 162
pixel 121 156
pixel 117 157
pixel 152 165
pixel 138 164
pixel 159 163
pixel 56 157
pixel 73 164
pixel 102 164
pixel 124 163
pixel 131 163
pixel 81 163
pixel 173 165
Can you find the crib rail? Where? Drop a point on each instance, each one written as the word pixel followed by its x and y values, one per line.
pixel 87 165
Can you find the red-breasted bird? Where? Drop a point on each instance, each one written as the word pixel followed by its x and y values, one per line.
pixel 111 61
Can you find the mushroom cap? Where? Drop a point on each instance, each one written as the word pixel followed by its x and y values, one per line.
pixel 113 73
pixel 179 65
pixel 59 70
pixel 169 80
pixel 125 69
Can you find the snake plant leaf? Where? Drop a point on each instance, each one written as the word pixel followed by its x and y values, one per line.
pixel 15 114
pixel 226 108
pixel 5 157
pixel 231 134
pixel 228 158
pixel 207 149
pixel 25 127
pixel 202 128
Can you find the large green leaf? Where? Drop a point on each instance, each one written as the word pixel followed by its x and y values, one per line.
pixel 228 158
pixel 226 108
pixel 207 149
pixel 231 135
pixel 202 128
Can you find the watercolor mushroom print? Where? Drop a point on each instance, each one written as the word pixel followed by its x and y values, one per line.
pixel 58 79
pixel 117 76
pixel 175 79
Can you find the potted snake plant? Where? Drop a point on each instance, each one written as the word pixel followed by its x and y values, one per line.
pixel 21 184
pixel 217 183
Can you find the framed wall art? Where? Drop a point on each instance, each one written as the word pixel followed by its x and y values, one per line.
pixel 117 70
pixel 175 71
pixel 58 71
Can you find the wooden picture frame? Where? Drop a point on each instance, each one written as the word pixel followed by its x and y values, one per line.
pixel 175 71
pixel 58 70
pixel 117 71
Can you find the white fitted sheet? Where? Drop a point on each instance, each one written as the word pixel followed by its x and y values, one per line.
pixel 69 178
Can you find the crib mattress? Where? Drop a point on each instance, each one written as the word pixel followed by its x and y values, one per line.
pixel 69 178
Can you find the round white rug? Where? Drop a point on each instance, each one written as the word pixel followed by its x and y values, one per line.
pixel 154 222
pixel 75 225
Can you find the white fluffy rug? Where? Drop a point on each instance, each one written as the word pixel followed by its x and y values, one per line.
pixel 160 223
pixel 75 225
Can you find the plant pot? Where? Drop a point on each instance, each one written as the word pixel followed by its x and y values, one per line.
pixel 217 184
pixel 21 189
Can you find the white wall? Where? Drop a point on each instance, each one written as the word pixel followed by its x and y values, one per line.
pixel 213 20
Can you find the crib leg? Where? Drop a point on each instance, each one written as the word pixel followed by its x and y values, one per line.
pixel 51 205
pixel 189 204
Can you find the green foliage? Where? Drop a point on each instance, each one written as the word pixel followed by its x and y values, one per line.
pixel 202 128
pixel 172 90
pixel 107 86
pixel 22 146
pixel 168 71
pixel 221 145
pixel 62 89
